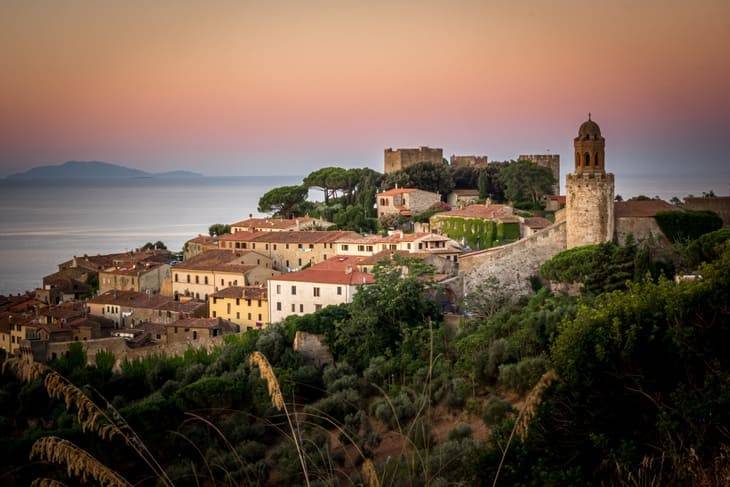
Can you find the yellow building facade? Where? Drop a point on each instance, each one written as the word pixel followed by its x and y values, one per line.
pixel 247 306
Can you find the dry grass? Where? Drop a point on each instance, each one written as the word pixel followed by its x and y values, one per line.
pixel 527 413
pixel 43 482
pixel 258 359
pixel 91 417
pixel 369 474
pixel 532 403
pixel 79 463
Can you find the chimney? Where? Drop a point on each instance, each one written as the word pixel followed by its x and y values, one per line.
pixel 348 270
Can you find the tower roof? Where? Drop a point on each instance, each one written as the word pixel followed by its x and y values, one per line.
pixel 589 127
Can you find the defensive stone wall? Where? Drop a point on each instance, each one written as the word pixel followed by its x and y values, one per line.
pixel 513 264
pixel 398 159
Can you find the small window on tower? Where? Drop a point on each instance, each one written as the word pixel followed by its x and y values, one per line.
pixel 587 158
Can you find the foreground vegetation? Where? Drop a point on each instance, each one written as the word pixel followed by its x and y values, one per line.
pixel 627 383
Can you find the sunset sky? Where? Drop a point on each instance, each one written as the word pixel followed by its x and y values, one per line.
pixel 277 87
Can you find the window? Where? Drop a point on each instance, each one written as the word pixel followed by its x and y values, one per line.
pixel 317 307
pixel 339 290
pixel 316 292
pixel 274 246
pixel 293 308
pixel 222 282
pixel 206 279
pixel 345 247
pixel 258 303
pixel 267 246
pixel 197 279
pixel 369 248
pixel 176 277
pixel 301 308
pixel 278 306
pixel 311 246
pixel 228 308
pixel 249 317
pixel 300 262
pixel 587 159
pixel 188 278
pixel 293 290
pixel 238 301
pixel 409 246
pixel 195 335
pixel 238 315
pixel 301 246
pixel 360 248
pixel 287 246
pixel 278 288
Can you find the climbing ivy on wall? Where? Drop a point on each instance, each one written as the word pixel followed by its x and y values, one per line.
pixel 480 234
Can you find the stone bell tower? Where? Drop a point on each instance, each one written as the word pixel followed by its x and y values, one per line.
pixel 589 198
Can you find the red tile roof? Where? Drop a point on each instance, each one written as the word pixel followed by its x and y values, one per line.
pixel 303 237
pixel 641 208
pixel 537 222
pixel 217 260
pixel 335 270
pixel 242 292
pixel 486 212
pixel 397 191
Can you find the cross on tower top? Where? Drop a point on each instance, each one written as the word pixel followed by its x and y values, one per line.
pixel 589 115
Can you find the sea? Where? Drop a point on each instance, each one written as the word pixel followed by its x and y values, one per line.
pixel 44 223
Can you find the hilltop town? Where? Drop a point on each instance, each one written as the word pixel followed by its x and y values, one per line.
pixel 420 325
pixel 259 271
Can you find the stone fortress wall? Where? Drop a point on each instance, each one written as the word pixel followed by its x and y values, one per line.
pixel 513 264
pixel 399 159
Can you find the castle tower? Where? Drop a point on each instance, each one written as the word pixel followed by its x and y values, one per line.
pixel 589 190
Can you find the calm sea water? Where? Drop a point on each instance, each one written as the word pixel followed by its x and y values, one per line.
pixel 43 224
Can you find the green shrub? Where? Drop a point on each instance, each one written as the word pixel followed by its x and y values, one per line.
pixel 706 248
pixel 495 411
pixel 520 377
pixel 478 233
pixel 460 432
pixel 684 225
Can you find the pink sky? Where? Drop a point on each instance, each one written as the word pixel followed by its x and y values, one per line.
pixel 284 87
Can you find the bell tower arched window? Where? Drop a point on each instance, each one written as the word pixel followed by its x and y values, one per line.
pixel 587 159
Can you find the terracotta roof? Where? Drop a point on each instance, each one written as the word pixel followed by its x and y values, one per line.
pixel 303 237
pixel 278 223
pixel 352 278
pixel 217 260
pixel 204 240
pixel 397 191
pixel 335 270
pixel 560 198
pixel 134 269
pixel 486 212
pixel 131 299
pixel 242 292
pixel 640 208
pixel 537 222
pixel 395 237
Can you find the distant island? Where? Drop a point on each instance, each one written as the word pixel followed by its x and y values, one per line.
pixel 94 170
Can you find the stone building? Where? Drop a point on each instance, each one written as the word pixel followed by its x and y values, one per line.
pixel 198 245
pixel 140 277
pixel 469 161
pixel 405 201
pixel 399 159
pixel 589 191
pixel 211 271
pixel 332 282
pixel 128 308
pixel 246 306
pixel 550 161
pixel 288 250
pixel 252 224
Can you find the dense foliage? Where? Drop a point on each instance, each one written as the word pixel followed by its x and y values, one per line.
pixel 427 176
pixel 284 201
pixel 683 225
pixel 219 229
pixel 525 181
pixel 604 267
pixel 478 233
